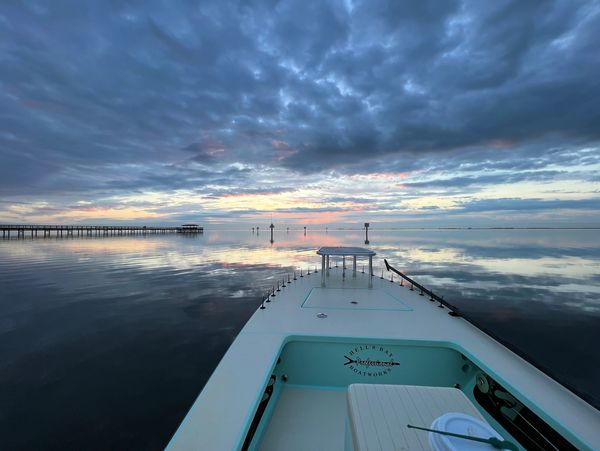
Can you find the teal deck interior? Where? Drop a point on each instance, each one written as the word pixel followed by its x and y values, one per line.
pixel 312 378
pixel 341 364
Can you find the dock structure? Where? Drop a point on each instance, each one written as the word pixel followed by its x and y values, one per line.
pixel 46 230
pixel 190 228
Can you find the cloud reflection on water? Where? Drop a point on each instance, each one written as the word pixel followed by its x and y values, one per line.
pixel 83 320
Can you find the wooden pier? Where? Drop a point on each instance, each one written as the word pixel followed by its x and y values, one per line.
pixel 46 230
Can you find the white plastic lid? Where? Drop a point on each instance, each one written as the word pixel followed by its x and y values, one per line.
pixel 459 423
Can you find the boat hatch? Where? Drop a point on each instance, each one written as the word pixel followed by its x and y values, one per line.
pixel 353 298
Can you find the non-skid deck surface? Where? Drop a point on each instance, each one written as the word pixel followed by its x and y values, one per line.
pixel 307 419
pixel 353 298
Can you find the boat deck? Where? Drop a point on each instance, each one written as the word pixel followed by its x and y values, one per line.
pixel 307 418
pixel 331 298
pixel 387 313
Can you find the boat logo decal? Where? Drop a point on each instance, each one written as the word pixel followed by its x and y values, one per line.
pixel 370 360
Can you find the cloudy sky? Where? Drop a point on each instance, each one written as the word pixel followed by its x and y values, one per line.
pixel 400 112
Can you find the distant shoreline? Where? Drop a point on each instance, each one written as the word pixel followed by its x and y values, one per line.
pixel 317 228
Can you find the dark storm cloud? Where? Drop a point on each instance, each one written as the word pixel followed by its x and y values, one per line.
pixel 529 204
pixel 499 77
pixel 458 182
pixel 126 96
pixel 355 200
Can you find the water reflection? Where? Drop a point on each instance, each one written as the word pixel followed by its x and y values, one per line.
pixel 122 332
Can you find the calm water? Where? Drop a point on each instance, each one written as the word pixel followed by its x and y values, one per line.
pixel 106 342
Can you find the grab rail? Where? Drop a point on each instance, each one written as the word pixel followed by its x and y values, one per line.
pixel 454 311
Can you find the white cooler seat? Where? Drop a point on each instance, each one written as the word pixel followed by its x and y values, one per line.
pixel 378 414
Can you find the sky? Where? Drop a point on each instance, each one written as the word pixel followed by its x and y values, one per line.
pixel 407 113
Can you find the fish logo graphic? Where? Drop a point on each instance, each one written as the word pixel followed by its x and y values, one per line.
pixel 370 360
